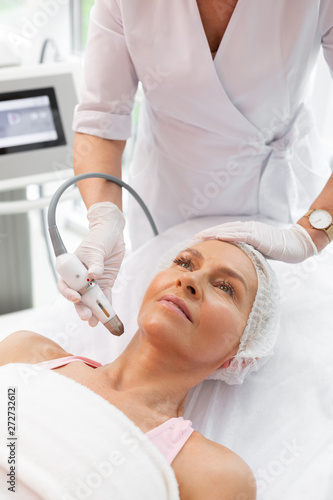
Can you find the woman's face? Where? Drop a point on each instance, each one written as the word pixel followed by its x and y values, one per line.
pixel 198 308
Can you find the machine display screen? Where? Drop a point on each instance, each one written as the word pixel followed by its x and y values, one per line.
pixel 30 120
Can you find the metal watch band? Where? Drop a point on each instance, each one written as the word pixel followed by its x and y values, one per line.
pixel 328 231
pixel 87 287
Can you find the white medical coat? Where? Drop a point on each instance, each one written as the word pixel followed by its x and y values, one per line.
pixel 229 136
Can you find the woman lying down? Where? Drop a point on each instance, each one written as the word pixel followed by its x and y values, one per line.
pixel 211 314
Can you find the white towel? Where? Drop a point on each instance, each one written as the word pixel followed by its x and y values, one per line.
pixel 73 445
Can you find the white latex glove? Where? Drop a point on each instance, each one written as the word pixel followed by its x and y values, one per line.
pixel 101 251
pixel 291 245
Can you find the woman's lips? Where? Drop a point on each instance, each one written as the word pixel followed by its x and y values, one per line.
pixel 177 305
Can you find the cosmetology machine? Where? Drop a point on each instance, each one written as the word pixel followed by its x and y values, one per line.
pixel 36 112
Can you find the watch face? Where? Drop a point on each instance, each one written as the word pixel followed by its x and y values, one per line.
pixel 320 219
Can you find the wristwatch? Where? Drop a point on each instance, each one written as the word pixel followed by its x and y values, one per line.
pixel 321 219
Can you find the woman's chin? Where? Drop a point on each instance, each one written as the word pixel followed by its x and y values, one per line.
pixel 166 326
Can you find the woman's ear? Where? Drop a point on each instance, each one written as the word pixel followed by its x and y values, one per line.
pixel 245 362
pixel 226 363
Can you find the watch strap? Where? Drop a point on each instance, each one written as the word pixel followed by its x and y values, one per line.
pixel 329 232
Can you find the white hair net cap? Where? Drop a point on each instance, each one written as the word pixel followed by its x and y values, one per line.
pixel 260 334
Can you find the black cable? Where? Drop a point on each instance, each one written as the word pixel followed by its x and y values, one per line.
pixel 45 44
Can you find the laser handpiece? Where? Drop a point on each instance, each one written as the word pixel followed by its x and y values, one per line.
pixel 75 274
pixel 71 269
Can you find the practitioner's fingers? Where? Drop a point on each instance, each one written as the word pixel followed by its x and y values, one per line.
pixel 93 321
pixel 83 311
pixel 108 293
pixel 67 292
pixel 227 231
pixel 86 314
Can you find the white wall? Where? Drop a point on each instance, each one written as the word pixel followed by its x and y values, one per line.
pixel 29 25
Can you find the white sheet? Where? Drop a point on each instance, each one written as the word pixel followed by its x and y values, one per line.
pixel 281 419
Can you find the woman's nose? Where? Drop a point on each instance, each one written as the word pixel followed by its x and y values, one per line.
pixel 190 284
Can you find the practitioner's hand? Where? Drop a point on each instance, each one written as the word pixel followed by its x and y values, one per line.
pixel 101 251
pixel 291 245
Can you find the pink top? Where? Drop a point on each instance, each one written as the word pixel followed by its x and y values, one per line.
pixel 56 363
pixel 168 437
pixel 171 436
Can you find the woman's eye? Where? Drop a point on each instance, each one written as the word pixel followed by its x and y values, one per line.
pixel 227 288
pixel 182 262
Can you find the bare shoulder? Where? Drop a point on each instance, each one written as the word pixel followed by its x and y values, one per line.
pixel 205 469
pixel 29 347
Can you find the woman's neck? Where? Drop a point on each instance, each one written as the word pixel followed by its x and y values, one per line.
pixel 142 373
